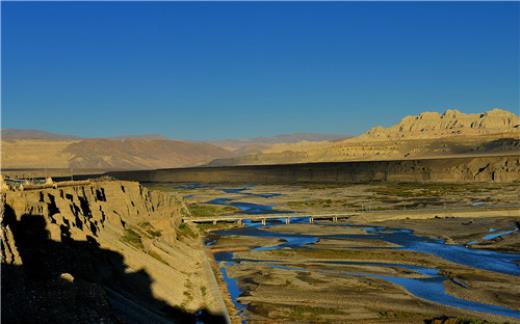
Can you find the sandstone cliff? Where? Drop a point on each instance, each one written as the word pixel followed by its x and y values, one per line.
pixel 451 122
pixel 427 135
pixel 106 252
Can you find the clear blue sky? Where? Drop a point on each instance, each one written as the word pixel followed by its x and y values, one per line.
pixel 234 70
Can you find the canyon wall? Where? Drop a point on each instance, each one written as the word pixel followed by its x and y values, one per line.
pixel 466 169
pixel 110 251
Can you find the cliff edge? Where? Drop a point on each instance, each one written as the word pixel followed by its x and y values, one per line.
pixel 109 251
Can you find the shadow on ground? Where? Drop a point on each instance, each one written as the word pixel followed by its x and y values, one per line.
pixel 77 282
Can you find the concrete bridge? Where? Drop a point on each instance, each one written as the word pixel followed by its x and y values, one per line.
pixel 264 217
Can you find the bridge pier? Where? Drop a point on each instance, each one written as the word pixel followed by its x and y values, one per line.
pixel 239 221
pixel 215 222
pixel 264 221
pixel 335 219
pixel 287 220
pixel 311 220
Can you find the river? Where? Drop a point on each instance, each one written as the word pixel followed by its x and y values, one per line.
pixel 428 286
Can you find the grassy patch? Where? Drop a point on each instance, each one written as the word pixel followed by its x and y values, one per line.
pixel 301 312
pixel 397 315
pixel 323 203
pixel 185 230
pixel 150 230
pixel 201 210
pixel 412 190
pixel 390 255
pixel 459 320
pixel 132 237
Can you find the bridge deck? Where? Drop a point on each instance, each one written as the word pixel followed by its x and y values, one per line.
pixel 260 217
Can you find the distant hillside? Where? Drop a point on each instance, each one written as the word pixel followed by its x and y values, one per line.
pixel 257 144
pixel 428 134
pixel 127 153
pixel 9 134
pixel 140 153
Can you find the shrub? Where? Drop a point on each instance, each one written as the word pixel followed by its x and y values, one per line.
pixel 185 230
pixel 132 237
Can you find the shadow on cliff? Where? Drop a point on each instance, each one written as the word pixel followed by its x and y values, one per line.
pixel 77 282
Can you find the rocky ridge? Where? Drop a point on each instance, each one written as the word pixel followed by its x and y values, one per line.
pixel 427 135
pixel 109 251
pixel 451 122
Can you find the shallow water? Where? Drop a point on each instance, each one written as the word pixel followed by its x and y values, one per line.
pixel 429 287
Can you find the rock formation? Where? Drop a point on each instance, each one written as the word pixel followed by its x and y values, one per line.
pixel 451 122
pixel 106 252
pixel 427 135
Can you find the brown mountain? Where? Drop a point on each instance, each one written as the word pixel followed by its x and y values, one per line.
pixel 428 134
pixel 140 153
pixel 9 134
pixel 147 152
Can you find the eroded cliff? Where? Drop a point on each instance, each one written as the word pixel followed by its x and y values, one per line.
pixel 465 169
pixel 109 251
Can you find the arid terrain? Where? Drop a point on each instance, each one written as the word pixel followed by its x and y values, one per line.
pixel 428 135
pixel 415 254
pixel 103 251
pixel 432 239
pixel 26 150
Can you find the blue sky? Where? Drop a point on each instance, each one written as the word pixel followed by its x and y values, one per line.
pixel 235 70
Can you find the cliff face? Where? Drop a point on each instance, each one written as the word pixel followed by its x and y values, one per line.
pixel 108 251
pixel 451 122
pixel 470 169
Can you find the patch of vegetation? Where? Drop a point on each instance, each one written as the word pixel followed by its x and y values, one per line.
pixel 185 230
pixel 322 203
pixel 458 320
pixel 301 312
pixel 132 237
pixel 402 256
pixel 203 290
pixel 412 190
pixel 201 210
pixel 397 315
pixel 150 230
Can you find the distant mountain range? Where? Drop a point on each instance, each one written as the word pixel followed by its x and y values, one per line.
pixel 11 134
pixel 428 134
pixel 257 144
pixel 28 148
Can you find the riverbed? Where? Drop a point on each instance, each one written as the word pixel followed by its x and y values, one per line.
pixel 377 272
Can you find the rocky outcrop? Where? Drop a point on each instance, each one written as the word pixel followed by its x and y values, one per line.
pixel 104 252
pixel 451 122
pixel 469 169
pixel 428 135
